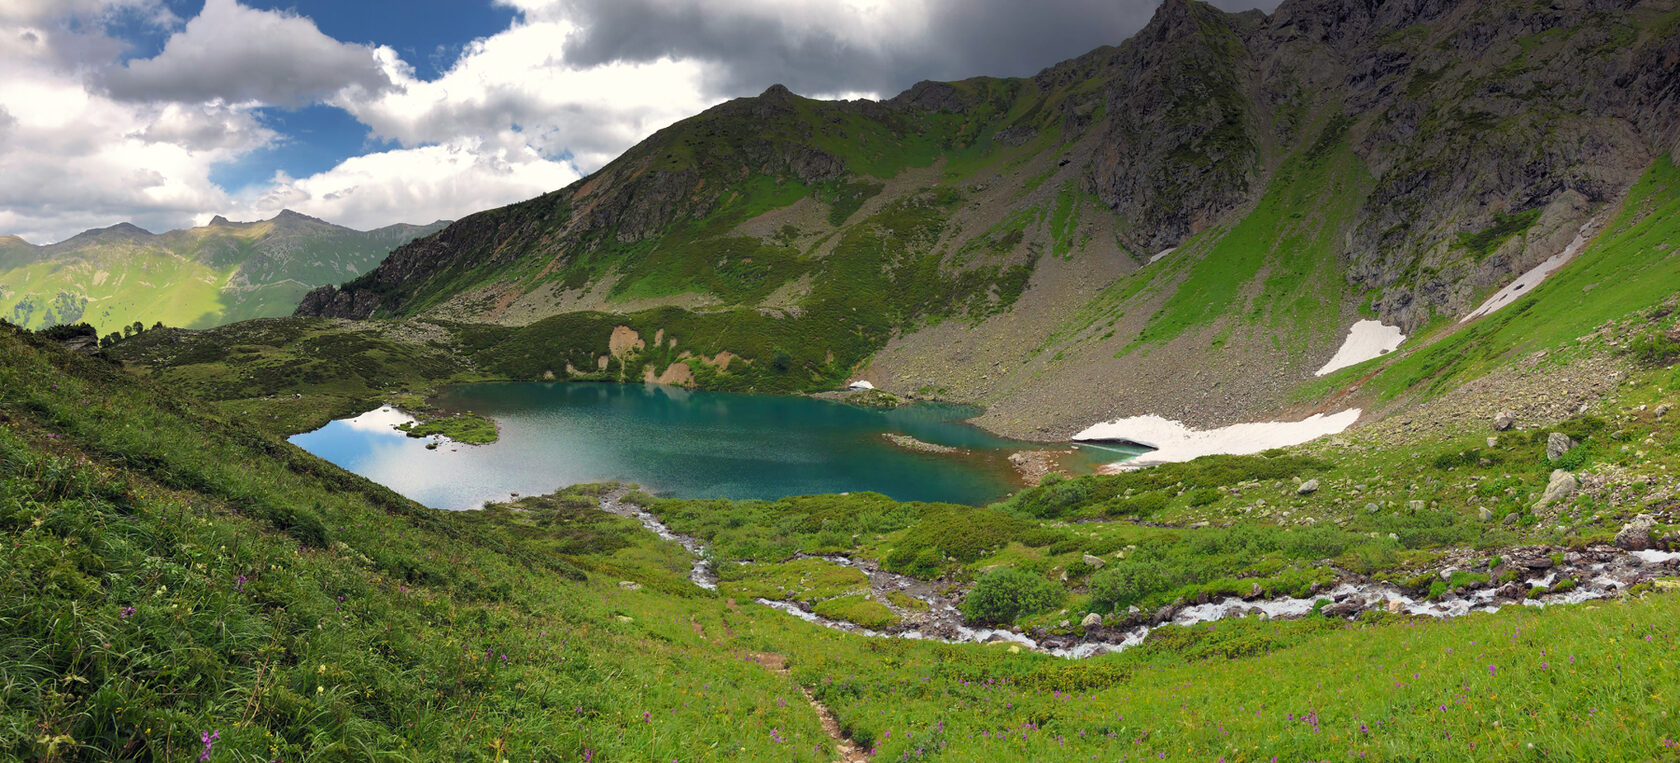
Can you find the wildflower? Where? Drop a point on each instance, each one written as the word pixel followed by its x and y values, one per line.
pixel 209 739
pixel 127 612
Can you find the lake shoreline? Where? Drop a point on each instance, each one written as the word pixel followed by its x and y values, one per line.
pixel 690 443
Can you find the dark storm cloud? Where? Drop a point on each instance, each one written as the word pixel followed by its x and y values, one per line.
pixel 963 38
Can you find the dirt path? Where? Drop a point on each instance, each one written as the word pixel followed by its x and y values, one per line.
pixel 849 752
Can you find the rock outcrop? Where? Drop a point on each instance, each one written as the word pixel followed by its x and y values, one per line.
pixel 1636 535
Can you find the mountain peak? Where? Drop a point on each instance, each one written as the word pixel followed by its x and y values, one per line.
pixel 218 220
pixel 777 91
pixel 1173 19
pixel 295 218
pixel 128 228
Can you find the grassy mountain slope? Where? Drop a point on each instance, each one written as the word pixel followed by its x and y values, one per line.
pixel 172 575
pixel 219 273
pixel 973 239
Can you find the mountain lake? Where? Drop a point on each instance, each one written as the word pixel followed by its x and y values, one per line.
pixel 683 443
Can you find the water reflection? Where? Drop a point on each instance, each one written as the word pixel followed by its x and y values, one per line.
pixel 678 441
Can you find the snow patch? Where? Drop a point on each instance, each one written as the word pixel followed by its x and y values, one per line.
pixel 1527 281
pixel 1365 340
pixel 860 384
pixel 1173 442
pixel 1162 253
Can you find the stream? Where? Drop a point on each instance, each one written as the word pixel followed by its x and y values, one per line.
pixel 1598 571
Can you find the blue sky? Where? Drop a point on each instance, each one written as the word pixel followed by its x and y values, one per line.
pixel 167 112
pixel 429 34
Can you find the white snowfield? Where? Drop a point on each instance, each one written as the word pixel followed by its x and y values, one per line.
pixel 1527 281
pixel 1162 253
pixel 1173 442
pixel 1365 340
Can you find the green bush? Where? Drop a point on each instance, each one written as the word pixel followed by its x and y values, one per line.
pixel 1126 583
pixel 1005 594
pixel 1203 496
pixel 1655 348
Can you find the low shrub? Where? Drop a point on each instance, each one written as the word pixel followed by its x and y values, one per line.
pixel 1003 595
pixel 1127 583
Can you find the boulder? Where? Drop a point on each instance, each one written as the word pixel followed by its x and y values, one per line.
pixel 1511 519
pixel 1493 442
pixel 1560 488
pixel 1094 562
pixel 1394 605
pixel 1307 488
pixel 1416 505
pixel 1345 609
pixel 1636 535
pixel 1255 591
pixel 1163 615
pixel 1091 620
pixel 1504 420
pixel 629 585
pixel 1558 444
pixel 1484 514
pixel 1663 409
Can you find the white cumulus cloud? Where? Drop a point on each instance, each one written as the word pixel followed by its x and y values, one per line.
pixel 235 54
pixel 418 185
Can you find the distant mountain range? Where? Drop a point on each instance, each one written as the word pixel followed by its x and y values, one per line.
pixel 199 277
pixel 1187 223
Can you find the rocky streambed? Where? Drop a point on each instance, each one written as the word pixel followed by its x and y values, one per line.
pixel 1534 576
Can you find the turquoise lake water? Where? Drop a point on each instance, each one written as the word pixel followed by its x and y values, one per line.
pixel 680 442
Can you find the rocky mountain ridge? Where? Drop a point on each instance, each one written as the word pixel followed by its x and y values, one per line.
pixel 1290 172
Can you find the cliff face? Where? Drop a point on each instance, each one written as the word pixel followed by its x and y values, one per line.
pixel 1398 159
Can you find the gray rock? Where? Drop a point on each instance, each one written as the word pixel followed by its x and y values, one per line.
pixel 1091 620
pixel 629 585
pixel 1371 508
pixel 1558 444
pixel 1416 505
pixel 1094 562
pixel 1510 519
pixel 1345 609
pixel 1663 409
pixel 1164 615
pixel 1636 535
pixel 1484 514
pixel 1255 591
pixel 1504 420
pixel 1493 442
pixel 1560 488
pixel 1307 488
